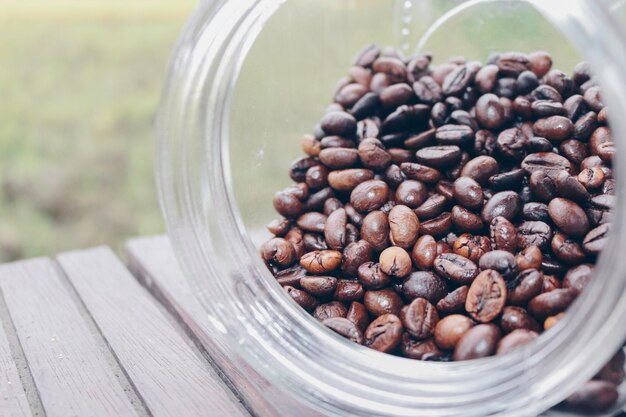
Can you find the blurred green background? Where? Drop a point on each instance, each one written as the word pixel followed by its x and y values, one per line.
pixel 80 82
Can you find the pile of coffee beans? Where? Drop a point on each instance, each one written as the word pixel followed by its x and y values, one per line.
pixel 450 212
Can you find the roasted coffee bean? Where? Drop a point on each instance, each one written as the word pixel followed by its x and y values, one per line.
pixel 514 318
pixel 352 233
pixel 511 180
pixel 365 106
pixel 331 205
pixel 570 188
pixel 419 172
pixel 300 167
pixel 507 204
pixel 439 156
pixel 304 300
pixel 404 226
pixel 471 247
pixel 316 201
pixel 369 195
pixel 357 314
pixel 455 268
pixel 419 349
pixel 278 251
pixel 569 217
pixel 432 207
pixel 574 150
pixel 594 397
pixel 287 204
pixel 528 284
pixel 317 177
pixel 339 123
pixel 335 229
pixel 468 193
pixel 439 226
pixel 490 112
pixel 446 189
pixel 503 234
pixel 393 67
pixel 545 92
pixel 354 255
pixel 372 277
pixel 337 158
pixel 295 236
pixel 420 318
pixel 549 162
pixel 420 140
pixel 459 135
pixel 348 95
pixel 480 169
pixel 465 220
pixel 396 95
pixel 366 57
pixel 279 227
pixel 424 284
pixel 385 301
pixel 575 107
pixel 375 230
pixel 560 82
pixel 318 286
pixel 454 302
pixel 567 250
pixel 485 143
pixel 522 107
pixel 384 334
pixel 348 179
pixel 411 193
pixel 535 212
pixel 313 241
pixel 354 216
pixel 312 222
pixel 529 258
pixel 478 342
pixel 321 262
pixel 542 186
pixel 348 290
pixel 527 81
pixel 310 145
pixel 514 63
pixel 486 78
pixel 596 239
pixel 593 99
pixel 506 87
pixel 427 90
pixel 514 340
pixel 336 142
pixel 500 261
pixel 551 303
pixel 458 80
pixel 424 252
pixel 330 310
pixel 413 117
pixel 511 144
pixel 367 128
pixel 395 261
pixel 578 277
pixel 450 329
pixel 533 233
pixel 345 328
pixel 486 296
pixel 591 178
pixel 554 128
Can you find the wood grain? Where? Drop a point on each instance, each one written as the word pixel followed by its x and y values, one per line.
pixel 152 260
pixel 67 360
pixel 168 373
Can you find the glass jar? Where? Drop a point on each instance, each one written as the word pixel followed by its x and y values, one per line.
pixel 247 79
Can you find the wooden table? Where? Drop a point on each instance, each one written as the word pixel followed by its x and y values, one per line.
pixel 85 334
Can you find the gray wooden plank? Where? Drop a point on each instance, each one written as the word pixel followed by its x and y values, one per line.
pixel 153 261
pixel 170 376
pixel 66 358
pixel 13 401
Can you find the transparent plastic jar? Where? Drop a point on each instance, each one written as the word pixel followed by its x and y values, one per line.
pixel 247 79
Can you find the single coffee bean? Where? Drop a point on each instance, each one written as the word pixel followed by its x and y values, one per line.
pixel 369 195
pixel 287 204
pixel 552 266
pixel 439 226
pixel 513 63
pixel 527 285
pixel 335 229
pixel 575 107
pixel 465 220
pixel 300 167
pixel 527 81
pixel 578 277
pixel 485 143
pixel 459 135
pixel 454 302
pixel 427 90
pixel 321 262
pixel 515 340
pixel 317 177
pixel 569 187
pixel 310 145
pixel 278 251
pixel 506 87
pixel 372 277
pixel 331 205
pixel 348 290
pixel 535 212
pixel 424 252
pixel 500 261
pixel 554 128
pixel 350 94
pixel 337 158
pixel 366 57
pixel 279 227
pixel 489 111
pixel 569 217
pixel 503 234
pixel 421 140
pixel 511 144
pixel 404 118
pixel 522 107
pixel 295 236
pixel 420 318
pixel 375 230
pixel 560 82
pixel 404 226
pixel 529 258
pixel 313 241
pixel 593 99
pixel 385 301
pixel 312 222
pixel 507 204
pixel 471 247
pixel 596 239
pixel 486 78
pixel 304 299
pixel 318 286
pixel 567 250
pixel 585 126
pixel 357 314
pixel 480 169
pixel 431 207
pixel 396 95
pixel 514 318
pixel 594 397
pixel 365 106
pixel 348 179
pixel 338 123
pixel 458 80
pixel 549 162
pixel 478 342
pixel 330 310
pixel 354 255
pixel 591 178
pixel 511 180
pixel 345 328
pixel 551 303
pixel 486 296
pixel 393 67
pixel 384 334
pixel 468 193
pixel 411 193
pixel 395 261
pixel 545 92
pixel 424 284
pixel 533 233
pixel 419 349
pixel 542 186
pixel 336 142
pixel 450 329
pixel 419 172
pixel 439 156
pixel 455 268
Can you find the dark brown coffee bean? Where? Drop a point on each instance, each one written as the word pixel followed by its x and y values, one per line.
pixel 317 177
pixel 354 255
pixel 348 95
pixel 354 216
pixel 439 156
pixel 427 90
pixel 484 143
pixel 454 302
pixel 554 128
pixel 321 262
pixel 365 106
pixel 318 286
pixel 514 340
pixel 513 64
pixel 486 296
pixel 486 78
pixel 404 226
pixel 567 250
pixel 522 107
pixel 385 301
pixel 500 261
pixel 606 151
pixel 316 201
pixel 366 57
pixel 471 247
pixel 529 258
pixel 304 300
pixel 357 314
pixel 300 167
pixel 468 193
pixel 336 142
pixel 287 204
pixel 455 268
pixel 594 397
pixel 375 230
pixel 279 227
pixel 411 193
pixel 526 82
pixel 542 186
pixel 545 92
pixel 585 126
pixel 384 334
pixel 458 80
pixel 414 117
pixel 372 277
pixel 578 277
pixel 419 349
pixel 575 107
pixel 439 226
pixel 599 136
pixel 335 229
pixel 338 158
pixel 561 82
pixel 569 217
pixel 511 144
pixel 596 239
pixel 533 233
pixel 313 241
pixel 490 112
pixel 312 222
pixel 528 284
pixel 478 342
pixel 593 99
pixel 330 310
pixel 348 290
pixel 394 176
pixel 459 135
pixel 511 180
pixel 450 329
pixel 348 179
pixel 591 178
pixel 569 187
pixel 310 145
pixel 582 73
pixel 514 318
pixel 424 284
pixel 551 303
pixel 339 123
pixel 507 204
pixel 295 236
pixel 369 195
pixel 539 144
pixel 552 266
pixel 549 162
pixel 432 207
pixel 420 140
pixel 446 189
pixel 424 252
pixel 419 172
pixel 345 328
pixel 396 95
pixel 506 87
pixel 503 234
pixel 480 169
pixel 535 212
pixel 420 318
pixel 278 251
pixel 394 68
pixel 395 261
pixel 367 128
pixel 465 220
